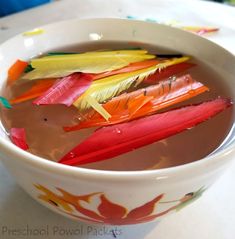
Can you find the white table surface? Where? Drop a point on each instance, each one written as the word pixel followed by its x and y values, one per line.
pixel 212 216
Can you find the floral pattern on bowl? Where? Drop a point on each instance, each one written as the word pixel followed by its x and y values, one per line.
pixel 107 211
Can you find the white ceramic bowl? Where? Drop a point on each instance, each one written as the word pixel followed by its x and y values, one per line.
pixel 106 196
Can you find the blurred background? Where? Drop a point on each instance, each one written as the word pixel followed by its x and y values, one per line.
pixel 12 6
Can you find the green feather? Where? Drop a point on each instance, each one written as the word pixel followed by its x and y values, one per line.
pixel 5 102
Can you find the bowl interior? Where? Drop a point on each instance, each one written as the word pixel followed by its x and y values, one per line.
pixel 73 32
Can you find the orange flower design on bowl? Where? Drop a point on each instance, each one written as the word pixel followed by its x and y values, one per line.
pixel 109 212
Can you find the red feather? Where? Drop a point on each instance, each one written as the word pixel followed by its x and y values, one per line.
pixel 112 141
pixel 66 90
pixel 168 71
pixel 18 137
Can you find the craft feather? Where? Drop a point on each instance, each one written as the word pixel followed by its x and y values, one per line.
pixel 144 101
pixel 89 62
pixel 108 87
pixel 109 142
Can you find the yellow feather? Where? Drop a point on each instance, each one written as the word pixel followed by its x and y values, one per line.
pixel 97 53
pixel 98 107
pixel 90 62
pixel 108 87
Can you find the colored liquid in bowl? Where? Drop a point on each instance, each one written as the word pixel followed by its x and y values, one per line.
pixel 46 138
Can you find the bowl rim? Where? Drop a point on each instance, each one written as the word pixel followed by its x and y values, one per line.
pixel 11 151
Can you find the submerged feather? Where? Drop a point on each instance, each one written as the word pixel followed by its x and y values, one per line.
pixel 36 90
pixel 5 102
pixel 97 107
pixel 66 90
pixel 115 140
pixel 89 62
pixel 108 87
pixel 144 101
pixel 18 137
